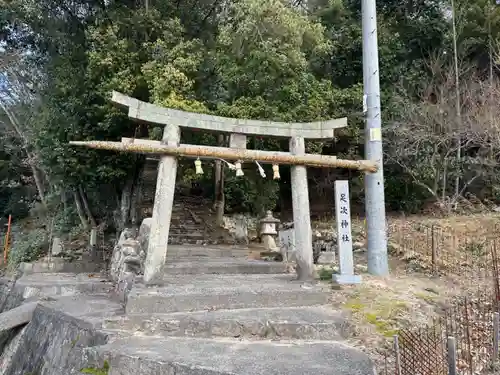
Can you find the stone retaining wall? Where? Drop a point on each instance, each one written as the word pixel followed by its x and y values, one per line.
pixel 53 343
pixel 63 329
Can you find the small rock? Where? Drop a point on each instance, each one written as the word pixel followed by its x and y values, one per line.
pixel 431 290
pixel 326 257
pixel 361 267
pixel 358 245
pixel 394 249
pixel 319 267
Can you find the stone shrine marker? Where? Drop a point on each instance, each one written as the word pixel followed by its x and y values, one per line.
pixel 170 148
pixel 344 235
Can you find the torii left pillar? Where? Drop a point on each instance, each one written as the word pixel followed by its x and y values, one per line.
pixel 162 210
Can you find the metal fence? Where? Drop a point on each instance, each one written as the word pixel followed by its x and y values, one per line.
pixel 420 351
pixel 439 251
pixel 464 339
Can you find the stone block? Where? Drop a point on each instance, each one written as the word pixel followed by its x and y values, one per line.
pixel 143 237
pixel 304 323
pixel 287 244
pixel 206 292
pixel 57 246
pixel 223 266
pixel 54 340
pixel 346 279
pixel 194 356
pixel 241 230
pixel 17 316
pixel 15 345
pixel 124 249
pixel 125 266
pixel 51 284
pixel 326 257
pixel 60 265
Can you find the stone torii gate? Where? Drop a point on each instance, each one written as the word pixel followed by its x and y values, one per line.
pixel 169 148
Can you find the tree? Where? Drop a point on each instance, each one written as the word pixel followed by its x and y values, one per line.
pixel 422 138
pixel 19 104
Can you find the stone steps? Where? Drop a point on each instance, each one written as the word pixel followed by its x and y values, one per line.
pixel 209 292
pixel 200 325
pixel 60 265
pixel 186 233
pixel 187 238
pixel 183 224
pixel 205 252
pixel 185 230
pixel 217 312
pixel 60 284
pixel 304 323
pixel 223 266
pixel 196 356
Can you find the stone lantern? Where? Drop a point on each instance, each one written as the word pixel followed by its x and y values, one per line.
pixel 268 232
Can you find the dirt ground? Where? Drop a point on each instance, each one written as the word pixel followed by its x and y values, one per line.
pixel 412 295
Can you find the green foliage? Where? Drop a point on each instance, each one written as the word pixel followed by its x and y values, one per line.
pixel 475 248
pixel 250 194
pixel 326 274
pixel 28 246
pixel 251 59
pixel 97 371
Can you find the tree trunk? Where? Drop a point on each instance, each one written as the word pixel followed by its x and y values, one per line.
pixel 445 179
pixel 136 202
pixel 37 173
pixel 38 176
pixel 125 201
pixel 86 206
pixel 219 186
pixel 80 210
pixel 130 197
pixel 64 200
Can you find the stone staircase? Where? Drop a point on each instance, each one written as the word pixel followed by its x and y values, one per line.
pixel 215 312
pixel 186 227
pixel 232 316
pixel 193 223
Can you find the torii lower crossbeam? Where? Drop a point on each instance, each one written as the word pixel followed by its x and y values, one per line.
pixel 208 152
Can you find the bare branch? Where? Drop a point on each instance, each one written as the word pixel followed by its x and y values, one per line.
pixel 421 139
pixel 18 103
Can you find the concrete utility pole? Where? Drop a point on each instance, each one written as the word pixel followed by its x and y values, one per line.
pixel 374 182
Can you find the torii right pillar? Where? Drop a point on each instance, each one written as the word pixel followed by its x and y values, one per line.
pixel 301 214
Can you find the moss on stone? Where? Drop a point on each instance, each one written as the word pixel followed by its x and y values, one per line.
pixel 355 305
pixel 382 313
pixel 384 327
pixel 97 371
pixel 325 274
pixel 430 299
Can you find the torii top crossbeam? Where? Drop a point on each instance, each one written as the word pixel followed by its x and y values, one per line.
pixel 150 113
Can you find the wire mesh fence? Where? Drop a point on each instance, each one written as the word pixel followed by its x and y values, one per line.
pixel 441 251
pixel 470 323
pixel 473 323
pixel 421 351
pixel 424 351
